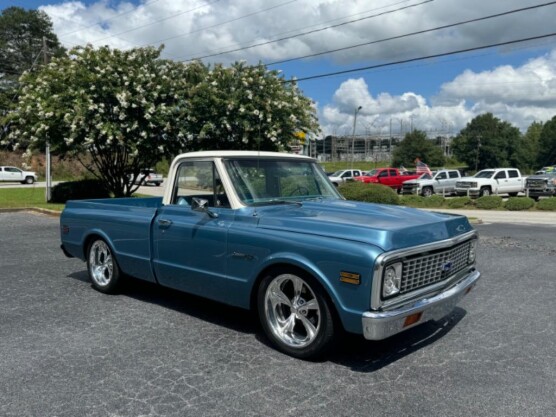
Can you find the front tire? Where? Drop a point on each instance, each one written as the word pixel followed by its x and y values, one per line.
pixel 29 180
pixel 295 314
pixel 427 192
pixel 485 191
pixel 103 269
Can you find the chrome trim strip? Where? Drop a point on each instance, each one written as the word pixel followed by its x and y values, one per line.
pixel 386 257
pixel 378 325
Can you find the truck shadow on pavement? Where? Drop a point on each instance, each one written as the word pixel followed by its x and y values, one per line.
pixel 352 350
pixel 369 356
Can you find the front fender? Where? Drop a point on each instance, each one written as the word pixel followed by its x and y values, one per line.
pixel 349 300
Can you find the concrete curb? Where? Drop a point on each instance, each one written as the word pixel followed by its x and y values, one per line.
pixel 53 213
pixel 482 216
pixel 499 216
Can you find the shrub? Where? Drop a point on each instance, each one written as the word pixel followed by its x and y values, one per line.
pixel 488 202
pixel 369 193
pixel 519 203
pixel 423 202
pixel 459 202
pixel 547 204
pixel 78 190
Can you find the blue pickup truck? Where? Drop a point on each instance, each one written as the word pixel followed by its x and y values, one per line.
pixel 269 232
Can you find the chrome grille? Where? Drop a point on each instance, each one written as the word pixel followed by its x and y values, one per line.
pixel 462 184
pixel 423 270
pixel 410 188
pixel 537 184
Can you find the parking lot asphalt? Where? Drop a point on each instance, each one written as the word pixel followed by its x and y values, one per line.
pixel 68 350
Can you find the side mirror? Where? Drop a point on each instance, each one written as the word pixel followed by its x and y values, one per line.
pixel 201 205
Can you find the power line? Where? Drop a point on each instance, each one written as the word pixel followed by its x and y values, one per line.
pixel 420 32
pixel 313 31
pixel 223 23
pixel 476 48
pixel 156 21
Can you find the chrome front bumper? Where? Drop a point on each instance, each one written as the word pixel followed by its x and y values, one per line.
pixel 378 325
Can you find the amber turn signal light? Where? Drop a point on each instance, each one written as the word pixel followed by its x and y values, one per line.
pixel 412 319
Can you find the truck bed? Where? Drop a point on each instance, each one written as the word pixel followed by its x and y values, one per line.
pixel 124 222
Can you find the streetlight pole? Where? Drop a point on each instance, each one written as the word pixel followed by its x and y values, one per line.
pixel 353 135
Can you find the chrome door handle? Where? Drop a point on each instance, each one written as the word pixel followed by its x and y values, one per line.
pixel 164 222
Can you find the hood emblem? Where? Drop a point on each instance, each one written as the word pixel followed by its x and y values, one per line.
pixel 460 228
pixel 447 266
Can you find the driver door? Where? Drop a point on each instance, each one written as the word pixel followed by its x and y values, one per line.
pixel 190 247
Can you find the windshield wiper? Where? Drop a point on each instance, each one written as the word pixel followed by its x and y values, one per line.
pixel 275 202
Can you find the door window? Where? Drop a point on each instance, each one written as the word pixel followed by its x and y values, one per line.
pixel 199 179
pixel 441 176
pixel 453 174
pixel 512 173
pixel 500 176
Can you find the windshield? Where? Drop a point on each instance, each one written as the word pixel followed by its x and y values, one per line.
pixel 338 173
pixel 269 181
pixel 425 176
pixel 372 173
pixel 484 174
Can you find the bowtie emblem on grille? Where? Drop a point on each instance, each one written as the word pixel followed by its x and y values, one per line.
pixel 447 266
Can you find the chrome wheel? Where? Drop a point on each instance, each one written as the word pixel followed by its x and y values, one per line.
pixel 292 311
pixel 101 265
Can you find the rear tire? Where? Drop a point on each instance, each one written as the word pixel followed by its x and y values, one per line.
pixel 295 314
pixel 102 267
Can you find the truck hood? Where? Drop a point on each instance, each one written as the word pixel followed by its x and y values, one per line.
pixel 419 182
pixel 385 226
pixel 542 177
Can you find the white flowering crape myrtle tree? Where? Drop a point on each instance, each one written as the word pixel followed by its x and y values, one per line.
pixel 117 112
pixel 247 108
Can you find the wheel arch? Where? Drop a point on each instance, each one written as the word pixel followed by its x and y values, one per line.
pixel 91 236
pixel 304 270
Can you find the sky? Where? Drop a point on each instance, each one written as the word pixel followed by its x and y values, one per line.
pixel 397 89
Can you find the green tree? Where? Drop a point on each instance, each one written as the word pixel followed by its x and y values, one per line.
pixel 488 142
pixel 547 144
pixel 115 111
pixel 125 111
pixel 530 146
pixel 416 145
pixel 247 107
pixel 21 44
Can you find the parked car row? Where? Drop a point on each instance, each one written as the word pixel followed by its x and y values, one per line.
pixel 450 182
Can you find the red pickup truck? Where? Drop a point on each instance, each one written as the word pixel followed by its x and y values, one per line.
pixel 392 177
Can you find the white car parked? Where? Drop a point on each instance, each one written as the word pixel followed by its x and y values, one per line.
pixel 13 174
pixel 344 175
pixel 492 181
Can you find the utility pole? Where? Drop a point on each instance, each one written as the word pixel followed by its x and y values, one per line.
pixel 477 156
pixel 48 161
pixel 353 135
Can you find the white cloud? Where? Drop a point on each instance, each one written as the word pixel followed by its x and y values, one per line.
pixel 520 95
pixel 197 28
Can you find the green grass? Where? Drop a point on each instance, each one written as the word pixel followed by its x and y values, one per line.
pixel 25 198
pixel 364 166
